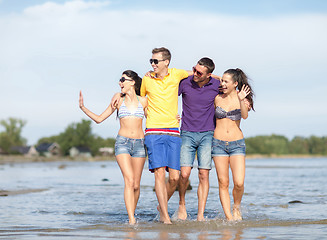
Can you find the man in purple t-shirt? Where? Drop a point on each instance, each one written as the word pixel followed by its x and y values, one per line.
pixel 198 124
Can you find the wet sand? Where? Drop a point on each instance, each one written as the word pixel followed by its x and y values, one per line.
pixel 5 193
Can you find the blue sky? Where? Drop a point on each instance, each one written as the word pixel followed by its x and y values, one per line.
pixel 49 50
pixel 237 7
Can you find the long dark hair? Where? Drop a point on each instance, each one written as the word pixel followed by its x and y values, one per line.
pixel 138 81
pixel 240 77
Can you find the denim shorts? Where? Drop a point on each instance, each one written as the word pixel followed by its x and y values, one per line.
pixel 131 146
pixel 196 142
pixel 224 148
pixel 163 151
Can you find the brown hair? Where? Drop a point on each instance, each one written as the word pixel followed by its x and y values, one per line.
pixel 208 63
pixel 164 51
pixel 240 77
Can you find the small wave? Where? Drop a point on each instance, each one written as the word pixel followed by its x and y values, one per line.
pixel 75 213
pixel 42 212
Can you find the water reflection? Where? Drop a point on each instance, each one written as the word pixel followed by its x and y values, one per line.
pixel 131 235
pixel 222 234
pixel 231 234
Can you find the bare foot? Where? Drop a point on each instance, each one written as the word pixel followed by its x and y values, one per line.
pixel 162 218
pixel 167 221
pixel 200 218
pixel 182 214
pixel 132 221
pixel 237 213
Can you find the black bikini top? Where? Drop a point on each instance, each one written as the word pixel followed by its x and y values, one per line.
pixel 233 115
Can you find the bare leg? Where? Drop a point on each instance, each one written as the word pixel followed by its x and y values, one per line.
pixel 222 169
pixel 184 176
pixel 170 185
pixel 203 190
pixel 237 164
pixel 125 163
pixel 172 182
pixel 161 192
pixel 137 165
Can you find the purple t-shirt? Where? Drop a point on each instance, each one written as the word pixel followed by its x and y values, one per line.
pixel 198 105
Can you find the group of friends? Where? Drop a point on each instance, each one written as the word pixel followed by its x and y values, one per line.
pixel 210 129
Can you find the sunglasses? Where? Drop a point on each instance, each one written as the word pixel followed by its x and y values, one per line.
pixel 197 72
pixel 123 79
pixel 155 61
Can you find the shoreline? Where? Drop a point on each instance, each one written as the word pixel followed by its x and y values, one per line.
pixel 5 159
pixel 271 156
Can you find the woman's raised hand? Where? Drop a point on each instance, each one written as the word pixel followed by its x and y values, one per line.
pixel 244 92
pixel 81 101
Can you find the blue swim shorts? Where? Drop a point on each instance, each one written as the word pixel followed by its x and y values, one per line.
pixel 224 148
pixel 131 146
pixel 163 151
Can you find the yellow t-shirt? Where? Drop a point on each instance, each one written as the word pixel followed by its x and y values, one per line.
pixel 162 99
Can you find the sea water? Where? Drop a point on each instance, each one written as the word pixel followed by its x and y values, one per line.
pixel 283 199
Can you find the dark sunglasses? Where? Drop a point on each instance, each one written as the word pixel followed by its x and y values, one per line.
pixel 155 61
pixel 197 72
pixel 123 79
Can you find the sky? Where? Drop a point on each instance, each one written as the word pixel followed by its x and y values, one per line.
pixel 50 50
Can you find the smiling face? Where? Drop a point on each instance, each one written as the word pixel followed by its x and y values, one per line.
pixel 227 83
pixel 162 64
pixel 126 84
pixel 201 74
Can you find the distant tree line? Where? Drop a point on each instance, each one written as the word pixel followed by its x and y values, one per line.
pixel 12 136
pixel 75 135
pixel 280 145
pixel 80 134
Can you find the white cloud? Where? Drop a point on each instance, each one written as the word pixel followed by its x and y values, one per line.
pixel 51 51
pixel 71 7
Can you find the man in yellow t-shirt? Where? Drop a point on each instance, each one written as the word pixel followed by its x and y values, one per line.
pixel 162 137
